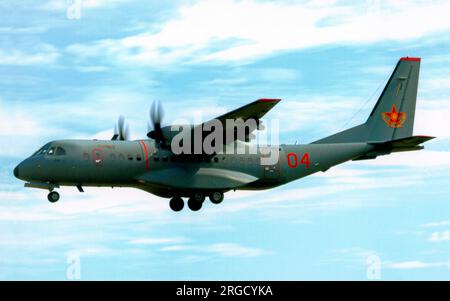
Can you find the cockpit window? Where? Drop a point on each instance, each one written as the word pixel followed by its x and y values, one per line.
pixel 60 151
pixel 43 150
pixel 51 151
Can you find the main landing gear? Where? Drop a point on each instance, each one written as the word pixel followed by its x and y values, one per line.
pixel 176 204
pixel 216 197
pixel 53 197
pixel 195 202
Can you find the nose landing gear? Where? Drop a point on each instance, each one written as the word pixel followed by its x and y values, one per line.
pixel 53 197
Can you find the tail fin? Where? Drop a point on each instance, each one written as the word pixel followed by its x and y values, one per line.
pixel 392 117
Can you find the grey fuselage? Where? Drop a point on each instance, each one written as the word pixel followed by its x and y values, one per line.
pixel 140 164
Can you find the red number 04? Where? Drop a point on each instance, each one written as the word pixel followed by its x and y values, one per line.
pixel 292 160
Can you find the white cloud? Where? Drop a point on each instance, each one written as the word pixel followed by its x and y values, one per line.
pixel 18 215
pixel 224 30
pixel 234 250
pixel 409 265
pixel 433 118
pixel 317 198
pixel 157 240
pixel 91 69
pixel 416 159
pixel 37 55
pixel 440 236
pixel 439 83
pixel 62 5
pixel 436 224
pixel 119 202
pixel 37 29
pixel 220 249
pixel 16 122
pixel 89 251
pixel 355 255
pixel 313 114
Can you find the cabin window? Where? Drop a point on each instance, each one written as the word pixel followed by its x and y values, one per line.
pixel 130 157
pixel 156 159
pixel 138 157
pixel 121 157
pixel 216 159
pixel 60 151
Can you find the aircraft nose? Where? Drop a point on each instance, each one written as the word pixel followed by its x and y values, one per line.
pixel 16 171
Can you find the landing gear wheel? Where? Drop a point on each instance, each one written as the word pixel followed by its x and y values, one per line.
pixel 176 203
pixel 216 197
pixel 53 197
pixel 199 197
pixel 194 205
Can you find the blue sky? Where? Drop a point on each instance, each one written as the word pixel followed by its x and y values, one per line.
pixel 327 60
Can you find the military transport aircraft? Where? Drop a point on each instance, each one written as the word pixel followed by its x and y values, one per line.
pixel 153 166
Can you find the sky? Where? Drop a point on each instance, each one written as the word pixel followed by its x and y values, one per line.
pixel 69 69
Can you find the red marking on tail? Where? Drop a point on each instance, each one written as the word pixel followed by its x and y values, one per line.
pixel 269 100
pixel 411 59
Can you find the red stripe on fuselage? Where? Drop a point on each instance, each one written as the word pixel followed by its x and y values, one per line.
pixel 144 146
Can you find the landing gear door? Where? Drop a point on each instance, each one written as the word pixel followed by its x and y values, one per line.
pixel 270 162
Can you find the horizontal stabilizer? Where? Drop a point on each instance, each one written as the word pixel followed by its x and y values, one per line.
pixel 399 145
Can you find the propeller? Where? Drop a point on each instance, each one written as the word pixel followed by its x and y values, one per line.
pixel 156 116
pixel 121 130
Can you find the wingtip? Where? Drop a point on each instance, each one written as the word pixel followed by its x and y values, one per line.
pixel 410 59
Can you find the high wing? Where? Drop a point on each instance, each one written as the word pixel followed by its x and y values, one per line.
pixel 254 110
pixel 246 118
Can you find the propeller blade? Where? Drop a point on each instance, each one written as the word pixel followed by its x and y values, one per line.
pixel 120 123
pixel 121 130
pixel 126 133
pixel 156 116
